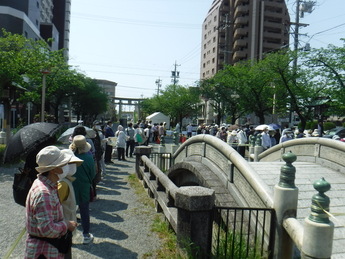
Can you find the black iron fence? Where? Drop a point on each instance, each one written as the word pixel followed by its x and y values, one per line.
pixel 243 233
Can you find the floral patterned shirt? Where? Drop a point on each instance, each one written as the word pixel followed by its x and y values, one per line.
pixel 44 218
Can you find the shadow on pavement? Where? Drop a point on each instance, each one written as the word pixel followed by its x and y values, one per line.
pixel 107 249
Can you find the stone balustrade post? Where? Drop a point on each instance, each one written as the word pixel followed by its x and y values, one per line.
pixel 138 152
pixel 318 229
pixel 251 146
pixel 258 149
pixel 285 204
pixel 194 219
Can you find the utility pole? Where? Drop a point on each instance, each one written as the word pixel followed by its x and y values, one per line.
pixel 301 8
pixel 159 84
pixel 175 75
pixel 296 34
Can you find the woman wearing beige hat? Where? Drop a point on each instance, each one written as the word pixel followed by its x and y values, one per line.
pixel 83 182
pixel 44 213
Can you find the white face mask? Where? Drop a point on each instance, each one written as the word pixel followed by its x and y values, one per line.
pixel 97 127
pixel 65 170
pixel 72 169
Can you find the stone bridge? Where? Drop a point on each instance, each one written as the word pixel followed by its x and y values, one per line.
pixel 206 161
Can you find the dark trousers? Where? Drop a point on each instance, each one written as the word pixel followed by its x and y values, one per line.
pixel 130 147
pixel 85 217
pixel 107 154
pixel 121 153
pixel 241 150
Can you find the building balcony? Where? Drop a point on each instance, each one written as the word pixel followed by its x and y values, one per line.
pixel 275 4
pixel 240 33
pixel 240 43
pixel 241 9
pixel 241 2
pixel 271 24
pixel 273 14
pixel 238 55
pixel 271 45
pixel 241 20
pixel 273 35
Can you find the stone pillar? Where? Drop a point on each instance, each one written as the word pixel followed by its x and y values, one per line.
pixel 138 152
pixel 318 229
pixel 258 147
pixel 194 219
pixel 3 137
pixel 285 204
pixel 251 147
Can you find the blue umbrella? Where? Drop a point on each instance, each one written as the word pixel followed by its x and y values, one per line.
pixel 274 126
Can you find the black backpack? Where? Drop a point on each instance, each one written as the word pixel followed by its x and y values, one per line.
pixel 21 185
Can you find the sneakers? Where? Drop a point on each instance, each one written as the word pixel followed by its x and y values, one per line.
pixel 88 239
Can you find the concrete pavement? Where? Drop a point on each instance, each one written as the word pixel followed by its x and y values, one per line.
pixel 120 223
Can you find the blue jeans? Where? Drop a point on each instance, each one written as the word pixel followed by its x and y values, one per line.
pixel 85 217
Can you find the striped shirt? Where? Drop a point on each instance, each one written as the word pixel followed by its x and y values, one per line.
pixel 44 218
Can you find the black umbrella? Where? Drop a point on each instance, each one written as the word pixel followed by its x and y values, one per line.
pixel 29 138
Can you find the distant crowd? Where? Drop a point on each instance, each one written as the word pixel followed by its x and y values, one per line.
pixel 238 137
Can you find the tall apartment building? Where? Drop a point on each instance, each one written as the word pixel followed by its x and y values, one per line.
pixel 236 30
pixel 38 19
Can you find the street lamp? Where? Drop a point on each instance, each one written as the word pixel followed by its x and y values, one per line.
pixel 44 75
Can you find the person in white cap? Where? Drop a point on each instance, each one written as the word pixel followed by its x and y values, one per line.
pixel 44 212
pixel 83 183
pixel 66 195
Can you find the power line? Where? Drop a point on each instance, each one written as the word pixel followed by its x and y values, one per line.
pixel 332 28
pixel 135 22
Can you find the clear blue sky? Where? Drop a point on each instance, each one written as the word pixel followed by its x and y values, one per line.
pixel 136 42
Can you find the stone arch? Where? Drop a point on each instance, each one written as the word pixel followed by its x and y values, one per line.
pixel 193 173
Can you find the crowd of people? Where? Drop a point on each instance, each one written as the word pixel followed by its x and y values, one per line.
pixel 238 137
pixel 66 179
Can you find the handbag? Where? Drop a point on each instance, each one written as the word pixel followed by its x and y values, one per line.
pixel 63 243
pixel 21 186
pixel 139 138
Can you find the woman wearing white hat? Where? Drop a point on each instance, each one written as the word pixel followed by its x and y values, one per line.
pixel 66 195
pixel 44 214
pixel 83 182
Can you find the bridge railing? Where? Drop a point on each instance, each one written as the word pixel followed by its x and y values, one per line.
pixel 233 170
pixel 241 232
pixel 328 152
pixel 188 208
pixel 193 216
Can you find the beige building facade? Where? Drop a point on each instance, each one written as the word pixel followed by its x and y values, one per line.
pixel 236 30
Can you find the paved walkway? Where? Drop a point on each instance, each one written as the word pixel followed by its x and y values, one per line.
pixel 120 223
pixel 306 175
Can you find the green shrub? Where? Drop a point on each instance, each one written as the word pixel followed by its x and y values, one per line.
pixel 328 125
pixel 233 245
pixel 2 150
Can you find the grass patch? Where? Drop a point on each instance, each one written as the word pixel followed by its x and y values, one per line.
pixel 168 249
pixel 2 151
pixel 234 246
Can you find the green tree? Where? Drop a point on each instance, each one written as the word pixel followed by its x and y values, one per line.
pixel 241 89
pixel 88 99
pixel 176 101
pixel 21 63
pixel 330 66
pixel 301 86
